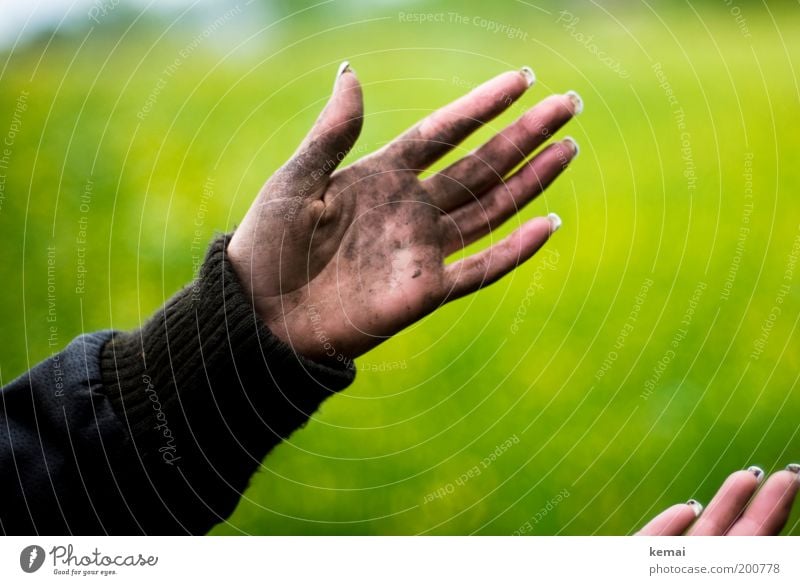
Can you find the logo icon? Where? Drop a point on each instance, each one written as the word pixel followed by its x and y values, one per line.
pixel 31 558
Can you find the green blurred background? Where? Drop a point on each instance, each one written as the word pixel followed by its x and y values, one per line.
pixel 651 351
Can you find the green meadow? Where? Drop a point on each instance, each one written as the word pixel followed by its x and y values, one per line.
pixel 649 350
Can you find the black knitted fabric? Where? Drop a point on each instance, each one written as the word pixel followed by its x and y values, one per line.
pixel 205 391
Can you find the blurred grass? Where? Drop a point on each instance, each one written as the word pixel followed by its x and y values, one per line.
pixel 466 382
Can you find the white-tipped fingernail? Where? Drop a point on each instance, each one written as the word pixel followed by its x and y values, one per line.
pixel 696 506
pixel 575 148
pixel 529 75
pixel 577 101
pixel 345 66
pixel 555 222
pixel 794 468
pixel 757 471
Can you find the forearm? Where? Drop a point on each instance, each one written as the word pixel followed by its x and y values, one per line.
pixel 193 400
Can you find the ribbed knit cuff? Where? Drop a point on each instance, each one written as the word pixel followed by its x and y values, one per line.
pixel 206 391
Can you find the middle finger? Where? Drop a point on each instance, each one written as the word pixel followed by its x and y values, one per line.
pixel 470 176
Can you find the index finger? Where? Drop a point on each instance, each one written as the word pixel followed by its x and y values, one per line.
pixel 432 137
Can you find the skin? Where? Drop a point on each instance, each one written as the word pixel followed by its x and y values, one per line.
pixel 337 261
pixel 738 509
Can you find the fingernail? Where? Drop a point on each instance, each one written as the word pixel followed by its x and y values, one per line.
pixel 794 468
pixel 696 506
pixel 555 222
pixel 345 66
pixel 577 101
pixel 757 471
pixel 576 149
pixel 529 75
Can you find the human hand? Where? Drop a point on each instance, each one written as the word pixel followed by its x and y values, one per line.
pixel 336 262
pixel 734 511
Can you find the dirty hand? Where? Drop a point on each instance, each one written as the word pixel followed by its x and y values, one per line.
pixel 336 262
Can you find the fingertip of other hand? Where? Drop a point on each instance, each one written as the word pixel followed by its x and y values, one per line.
pixel 757 472
pixel 751 477
pixel 528 75
pixel 696 507
pixel 790 476
pixel 673 521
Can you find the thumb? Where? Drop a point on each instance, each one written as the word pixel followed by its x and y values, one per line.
pixel 331 138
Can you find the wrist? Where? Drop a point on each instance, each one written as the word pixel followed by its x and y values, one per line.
pixel 303 328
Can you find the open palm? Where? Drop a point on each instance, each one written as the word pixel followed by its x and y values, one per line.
pixel 336 262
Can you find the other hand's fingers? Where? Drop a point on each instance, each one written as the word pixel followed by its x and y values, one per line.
pixel 486 166
pixel 432 137
pixel 484 268
pixel 728 503
pixel 472 221
pixel 673 521
pixel 767 513
pixel 330 139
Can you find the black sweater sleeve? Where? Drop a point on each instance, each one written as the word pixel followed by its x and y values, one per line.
pixel 190 404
